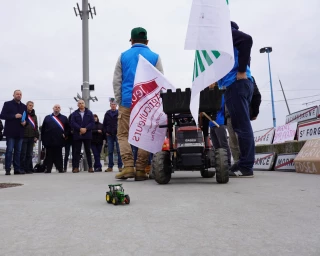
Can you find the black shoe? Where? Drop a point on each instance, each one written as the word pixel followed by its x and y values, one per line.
pixel 19 172
pixel 240 174
pixel 98 170
pixel 8 173
pixel 61 171
pixel 65 169
pixel 47 171
pixel 29 172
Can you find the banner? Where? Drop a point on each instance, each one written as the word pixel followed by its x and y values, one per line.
pixel 303 115
pixel 209 33
pixel 309 131
pixel 308 159
pixel 285 133
pixel 285 162
pixel 146 108
pixel 264 161
pixel 264 137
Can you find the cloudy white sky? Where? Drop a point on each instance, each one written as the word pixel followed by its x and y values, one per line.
pixel 41 51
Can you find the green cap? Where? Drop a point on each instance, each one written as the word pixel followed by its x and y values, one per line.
pixel 138 33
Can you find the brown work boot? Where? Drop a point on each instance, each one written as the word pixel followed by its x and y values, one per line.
pixel 147 169
pixel 140 175
pixel 127 172
pixel 109 169
pixel 120 169
pixel 75 170
pixel 91 169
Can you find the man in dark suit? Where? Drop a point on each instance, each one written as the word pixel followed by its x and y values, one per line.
pixel 14 113
pixel 54 130
pixel 82 123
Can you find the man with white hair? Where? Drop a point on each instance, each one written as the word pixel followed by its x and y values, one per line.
pixel 54 130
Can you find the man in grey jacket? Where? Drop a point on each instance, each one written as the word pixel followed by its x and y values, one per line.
pixel 123 82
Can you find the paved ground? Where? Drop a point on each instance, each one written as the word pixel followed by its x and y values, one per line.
pixel 66 214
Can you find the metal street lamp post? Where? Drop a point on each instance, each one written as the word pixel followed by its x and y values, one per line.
pixel 268 50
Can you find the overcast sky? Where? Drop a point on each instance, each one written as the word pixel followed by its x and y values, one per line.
pixel 41 51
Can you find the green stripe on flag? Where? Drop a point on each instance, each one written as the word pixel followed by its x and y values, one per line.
pixel 216 54
pixel 207 57
pixel 227 2
pixel 195 68
pixel 200 61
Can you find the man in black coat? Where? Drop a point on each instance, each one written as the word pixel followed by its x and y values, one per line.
pixel 82 123
pixel 1 129
pixel 110 127
pixel 14 113
pixel 54 130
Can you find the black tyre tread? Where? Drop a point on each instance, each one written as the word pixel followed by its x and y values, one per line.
pixel 207 174
pixel 222 168
pixel 128 198
pixel 161 167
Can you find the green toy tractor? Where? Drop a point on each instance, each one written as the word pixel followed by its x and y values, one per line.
pixel 116 195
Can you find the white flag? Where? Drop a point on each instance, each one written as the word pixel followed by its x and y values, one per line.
pixel 209 33
pixel 146 108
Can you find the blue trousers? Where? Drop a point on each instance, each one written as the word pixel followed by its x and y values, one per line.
pixel 96 151
pixel 111 139
pixel 238 97
pixel 13 147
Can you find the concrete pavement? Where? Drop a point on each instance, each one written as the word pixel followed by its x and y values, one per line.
pixel 66 214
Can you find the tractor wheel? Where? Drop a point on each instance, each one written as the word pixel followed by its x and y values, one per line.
pixel 207 174
pixel 108 198
pixel 222 167
pixel 115 201
pixel 161 167
pixel 127 199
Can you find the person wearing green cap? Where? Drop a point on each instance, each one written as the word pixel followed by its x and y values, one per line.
pixel 123 82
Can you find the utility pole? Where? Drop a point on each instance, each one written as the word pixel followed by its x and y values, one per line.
pixel 71 108
pixel 284 97
pixel 84 16
pixel 85 87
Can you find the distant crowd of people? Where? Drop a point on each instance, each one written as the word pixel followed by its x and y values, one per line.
pixel 82 127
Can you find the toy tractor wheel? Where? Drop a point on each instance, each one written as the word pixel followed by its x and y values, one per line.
pixel 222 167
pixel 127 199
pixel 161 167
pixel 115 201
pixel 207 174
pixel 108 198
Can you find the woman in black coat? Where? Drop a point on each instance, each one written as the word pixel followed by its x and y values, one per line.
pixel 96 143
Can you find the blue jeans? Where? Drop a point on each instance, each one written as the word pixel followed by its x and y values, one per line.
pixel 26 154
pixel 111 139
pixel 135 155
pixel 238 97
pixel 13 146
pixel 96 151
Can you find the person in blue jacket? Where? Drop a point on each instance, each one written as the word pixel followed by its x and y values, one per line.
pixel 82 123
pixel 123 81
pixel 218 135
pixel 238 95
pixel 54 131
pixel 14 113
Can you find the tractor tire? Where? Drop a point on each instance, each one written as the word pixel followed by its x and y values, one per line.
pixel 108 198
pixel 115 201
pixel 161 167
pixel 222 167
pixel 207 174
pixel 127 199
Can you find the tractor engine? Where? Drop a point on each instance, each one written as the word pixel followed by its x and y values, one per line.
pixel 190 147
